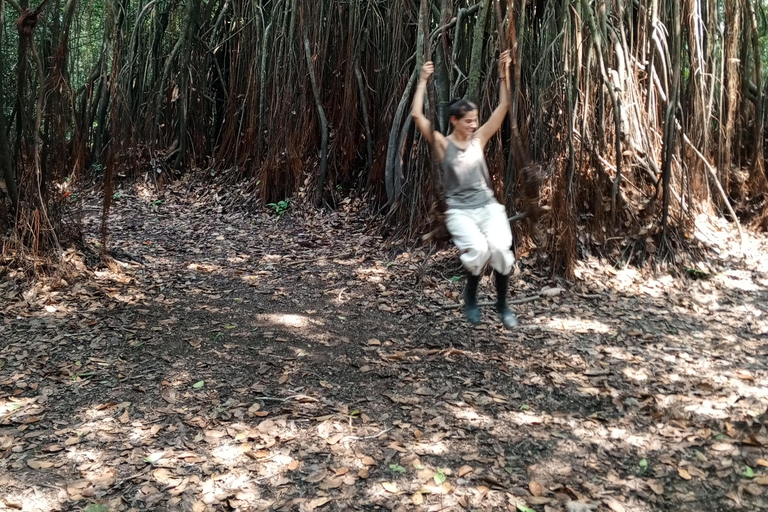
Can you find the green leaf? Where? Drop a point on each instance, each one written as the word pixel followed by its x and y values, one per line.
pixel 396 468
pixel 643 464
pixel 524 407
pixel 455 279
pixel 439 477
pixel 96 507
pixel 749 472
pixel 198 385
pixel 229 326
pixel 523 508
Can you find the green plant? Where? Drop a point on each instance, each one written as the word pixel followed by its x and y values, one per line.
pixel 281 206
pixel 397 469
pixel 117 195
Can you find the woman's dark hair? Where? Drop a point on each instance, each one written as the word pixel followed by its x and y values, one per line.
pixel 460 107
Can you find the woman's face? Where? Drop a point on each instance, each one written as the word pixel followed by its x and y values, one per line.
pixel 466 126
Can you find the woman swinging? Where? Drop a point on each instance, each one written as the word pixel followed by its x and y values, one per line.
pixel 476 221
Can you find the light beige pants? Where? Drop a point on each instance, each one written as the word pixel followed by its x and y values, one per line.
pixel 482 235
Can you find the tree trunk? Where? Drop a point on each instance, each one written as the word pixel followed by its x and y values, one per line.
pixel 757 176
pixel 669 124
pixel 731 60
pixel 323 124
pixel 476 64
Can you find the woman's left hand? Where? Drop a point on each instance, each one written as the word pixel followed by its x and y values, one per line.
pixel 504 61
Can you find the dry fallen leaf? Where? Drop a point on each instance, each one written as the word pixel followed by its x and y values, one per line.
pixel 335 439
pixel 331 483
pixel 656 487
pixel 124 418
pixel 425 475
pixel 363 473
pixel 465 470
pixel 39 464
pixel 417 498
pixel 317 503
pixel 368 461
pixel 316 477
pixel 614 505
pixel 683 474
pixel 536 488
pixel 293 465
pixel 390 487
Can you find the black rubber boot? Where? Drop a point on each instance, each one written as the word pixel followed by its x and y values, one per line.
pixel 470 299
pixel 508 318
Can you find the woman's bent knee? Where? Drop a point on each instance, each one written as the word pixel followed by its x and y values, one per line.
pixel 475 259
pixel 502 259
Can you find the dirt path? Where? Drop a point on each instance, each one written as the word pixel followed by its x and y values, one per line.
pixel 239 362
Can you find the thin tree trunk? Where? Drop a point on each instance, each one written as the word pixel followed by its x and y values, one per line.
pixel 757 167
pixel 669 124
pixel 323 124
pixel 394 131
pixel 6 157
pixel 366 124
pixel 731 60
pixel 476 64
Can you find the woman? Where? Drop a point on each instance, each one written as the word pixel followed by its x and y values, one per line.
pixel 477 222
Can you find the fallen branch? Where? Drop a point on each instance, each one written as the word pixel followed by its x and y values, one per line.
pixel 489 303
pixel 367 437
pixel 294 397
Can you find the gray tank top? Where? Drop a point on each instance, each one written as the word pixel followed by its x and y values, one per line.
pixel 466 177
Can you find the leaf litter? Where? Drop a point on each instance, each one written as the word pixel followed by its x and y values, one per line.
pixel 234 359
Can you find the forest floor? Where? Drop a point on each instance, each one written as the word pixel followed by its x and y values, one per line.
pixel 238 361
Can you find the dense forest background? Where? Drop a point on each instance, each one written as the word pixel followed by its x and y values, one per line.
pixel 629 118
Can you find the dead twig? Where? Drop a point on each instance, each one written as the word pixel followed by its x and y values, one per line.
pixel 294 397
pixel 356 438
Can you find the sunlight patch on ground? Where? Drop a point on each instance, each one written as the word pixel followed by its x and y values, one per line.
pixel 204 267
pixel 372 274
pixel 285 320
pixel 579 325
pixel 228 453
pixel 521 418
pixel 39 500
pixel 737 280
pixel 473 417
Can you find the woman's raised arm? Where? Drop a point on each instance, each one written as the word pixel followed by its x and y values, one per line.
pixel 417 110
pixel 485 132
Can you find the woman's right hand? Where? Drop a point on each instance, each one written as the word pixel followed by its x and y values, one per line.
pixel 426 70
